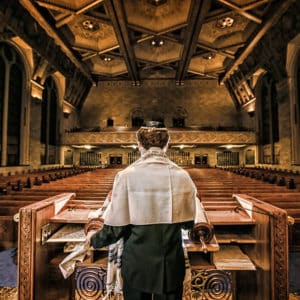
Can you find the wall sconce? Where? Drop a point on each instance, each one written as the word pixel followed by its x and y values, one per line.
pixel 36 90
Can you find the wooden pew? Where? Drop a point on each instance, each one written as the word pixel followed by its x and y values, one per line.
pixel 211 183
pixel 17 182
pixel 93 185
pixel 286 178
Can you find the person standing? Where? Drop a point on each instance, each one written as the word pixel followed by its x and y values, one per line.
pixel 152 200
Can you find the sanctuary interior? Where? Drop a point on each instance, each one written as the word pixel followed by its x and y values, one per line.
pixel 77 80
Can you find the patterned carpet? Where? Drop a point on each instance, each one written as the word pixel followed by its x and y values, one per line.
pixel 8 293
pixel 8 275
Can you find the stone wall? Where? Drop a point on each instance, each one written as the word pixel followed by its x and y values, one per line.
pixel 202 102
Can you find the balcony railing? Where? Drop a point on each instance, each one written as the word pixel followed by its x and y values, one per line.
pixel 180 136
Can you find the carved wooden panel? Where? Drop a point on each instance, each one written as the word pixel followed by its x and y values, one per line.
pixel 34 257
pixel 90 282
pixel 26 268
pixel 186 137
pixel 209 284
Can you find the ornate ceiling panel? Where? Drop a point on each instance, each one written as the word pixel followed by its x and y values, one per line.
pixel 157 18
pixel 140 39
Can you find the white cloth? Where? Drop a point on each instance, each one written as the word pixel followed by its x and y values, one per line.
pixel 81 250
pixel 67 266
pixel 152 190
pixel 101 211
pixel 114 282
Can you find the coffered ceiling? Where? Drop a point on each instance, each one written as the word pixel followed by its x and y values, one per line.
pixel 156 39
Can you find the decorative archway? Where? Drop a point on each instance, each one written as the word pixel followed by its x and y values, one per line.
pixel 49 123
pixel 14 109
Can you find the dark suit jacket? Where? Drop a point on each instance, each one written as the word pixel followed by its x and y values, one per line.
pixel 153 258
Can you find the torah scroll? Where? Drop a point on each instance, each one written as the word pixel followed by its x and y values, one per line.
pixel 202 231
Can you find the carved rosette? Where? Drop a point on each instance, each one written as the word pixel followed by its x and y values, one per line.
pixel 90 282
pixel 209 284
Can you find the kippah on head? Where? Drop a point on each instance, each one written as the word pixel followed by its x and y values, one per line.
pixel 153 137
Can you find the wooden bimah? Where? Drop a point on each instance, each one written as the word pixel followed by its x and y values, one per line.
pixel 238 253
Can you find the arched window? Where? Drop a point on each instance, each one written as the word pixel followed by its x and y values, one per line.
pixel 268 125
pixel 11 97
pixel 49 136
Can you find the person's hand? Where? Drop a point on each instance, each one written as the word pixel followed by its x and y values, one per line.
pixel 94 224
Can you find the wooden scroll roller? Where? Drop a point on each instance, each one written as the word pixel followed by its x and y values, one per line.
pixel 93 224
pixel 202 231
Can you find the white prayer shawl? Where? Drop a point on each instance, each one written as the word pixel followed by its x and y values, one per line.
pixel 114 282
pixel 153 190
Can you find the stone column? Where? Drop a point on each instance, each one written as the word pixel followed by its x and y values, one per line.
pixel 284 117
pixel 5 117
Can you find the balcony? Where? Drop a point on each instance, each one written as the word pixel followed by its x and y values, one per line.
pixel 123 135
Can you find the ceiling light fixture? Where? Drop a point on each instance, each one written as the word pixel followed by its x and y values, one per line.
pixel 107 58
pixel 157 42
pixel 209 55
pixel 90 25
pixel 157 2
pixel 225 22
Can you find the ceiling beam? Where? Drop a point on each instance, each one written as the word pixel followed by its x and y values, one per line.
pixel 274 18
pixel 72 13
pixel 92 53
pixel 150 65
pixel 117 14
pixel 241 11
pixel 255 4
pixel 54 7
pixel 65 20
pixel 237 45
pixel 221 13
pixel 31 8
pixel 202 74
pixel 149 37
pixel 214 50
pixel 198 11
pixel 159 33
